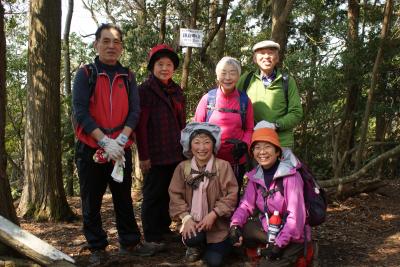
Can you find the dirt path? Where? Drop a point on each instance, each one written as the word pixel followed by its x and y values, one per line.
pixel 361 231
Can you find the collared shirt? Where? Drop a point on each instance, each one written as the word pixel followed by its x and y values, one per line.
pixel 267 80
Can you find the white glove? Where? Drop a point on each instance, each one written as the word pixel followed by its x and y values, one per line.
pixel 122 139
pixel 112 148
pixel 265 124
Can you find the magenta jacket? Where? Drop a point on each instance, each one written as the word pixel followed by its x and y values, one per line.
pixel 292 203
pixel 230 123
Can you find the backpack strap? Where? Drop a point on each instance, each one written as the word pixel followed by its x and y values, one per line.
pixel 91 72
pixel 187 168
pixel 211 99
pixel 269 193
pixel 285 86
pixel 247 81
pixel 243 103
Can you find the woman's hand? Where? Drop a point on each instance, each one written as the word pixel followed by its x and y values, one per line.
pixel 145 165
pixel 207 222
pixel 189 229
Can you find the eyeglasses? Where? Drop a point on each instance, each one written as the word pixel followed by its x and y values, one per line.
pixel 108 42
pixel 258 148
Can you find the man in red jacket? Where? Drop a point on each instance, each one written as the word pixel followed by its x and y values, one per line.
pixel 106 110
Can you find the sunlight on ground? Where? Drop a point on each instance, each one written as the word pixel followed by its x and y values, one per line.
pixel 389 217
pixel 390 249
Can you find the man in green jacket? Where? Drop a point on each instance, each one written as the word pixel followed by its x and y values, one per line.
pixel 266 91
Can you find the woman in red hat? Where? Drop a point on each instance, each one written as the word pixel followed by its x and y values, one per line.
pixel 158 134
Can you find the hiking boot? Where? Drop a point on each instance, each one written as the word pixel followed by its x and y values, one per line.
pixel 140 249
pixel 97 257
pixel 156 246
pixel 192 254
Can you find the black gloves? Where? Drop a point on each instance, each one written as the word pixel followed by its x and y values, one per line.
pixel 239 148
pixel 234 234
pixel 272 252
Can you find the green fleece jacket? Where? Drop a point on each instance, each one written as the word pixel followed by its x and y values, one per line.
pixel 269 104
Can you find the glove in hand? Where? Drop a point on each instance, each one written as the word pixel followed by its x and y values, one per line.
pixel 122 139
pixel 112 148
pixel 234 234
pixel 239 150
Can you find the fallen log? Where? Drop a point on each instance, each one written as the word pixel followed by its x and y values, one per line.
pixel 17 262
pixel 352 189
pixel 31 246
pixel 394 152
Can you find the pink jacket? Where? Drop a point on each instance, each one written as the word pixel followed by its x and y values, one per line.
pixel 290 204
pixel 230 123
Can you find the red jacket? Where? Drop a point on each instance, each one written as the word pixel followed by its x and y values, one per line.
pixel 108 108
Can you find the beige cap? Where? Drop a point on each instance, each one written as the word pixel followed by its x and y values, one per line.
pixel 266 44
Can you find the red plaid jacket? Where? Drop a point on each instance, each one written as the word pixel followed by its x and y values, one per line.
pixel 161 120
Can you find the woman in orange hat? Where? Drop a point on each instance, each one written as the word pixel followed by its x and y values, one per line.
pixel 162 118
pixel 275 188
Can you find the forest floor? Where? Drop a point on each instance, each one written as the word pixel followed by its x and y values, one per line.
pixel 361 231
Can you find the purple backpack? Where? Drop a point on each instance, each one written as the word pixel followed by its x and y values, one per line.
pixel 314 196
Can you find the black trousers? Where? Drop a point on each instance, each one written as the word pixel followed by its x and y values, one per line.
pixel 239 170
pixel 93 181
pixel 254 235
pixel 155 205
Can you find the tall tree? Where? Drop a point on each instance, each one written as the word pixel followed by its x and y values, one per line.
pixel 6 205
pixel 69 137
pixel 188 55
pixel 344 140
pixel 374 80
pixel 280 15
pixel 43 195
pixel 163 21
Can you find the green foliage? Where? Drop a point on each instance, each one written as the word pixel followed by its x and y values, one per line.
pixel 317 56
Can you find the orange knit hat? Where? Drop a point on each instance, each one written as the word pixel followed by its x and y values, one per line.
pixel 266 135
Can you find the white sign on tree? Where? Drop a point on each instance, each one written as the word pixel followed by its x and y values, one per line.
pixel 191 38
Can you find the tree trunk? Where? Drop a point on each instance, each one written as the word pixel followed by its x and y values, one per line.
pixel 280 16
pixel 68 137
pixel 315 38
pixel 141 13
pixel 163 22
pixel 43 195
pixel 214 30
pixel 344 140
pixel 374 80
pixel 188 55
pixel 6 203
pixel 221 38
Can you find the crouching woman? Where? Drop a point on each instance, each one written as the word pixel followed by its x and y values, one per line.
pixel 203 195
pixel 274 186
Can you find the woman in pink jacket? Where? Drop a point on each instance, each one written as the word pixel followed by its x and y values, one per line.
pixel 231 110
pixel 274 185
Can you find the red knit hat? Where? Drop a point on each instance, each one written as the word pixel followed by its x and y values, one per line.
pixel 265 135
pixel 162 50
